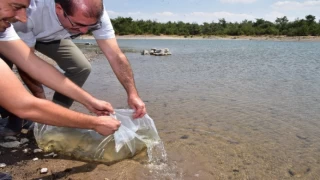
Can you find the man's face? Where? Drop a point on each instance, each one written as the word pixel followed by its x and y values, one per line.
pixel 77 23
pixel 12 11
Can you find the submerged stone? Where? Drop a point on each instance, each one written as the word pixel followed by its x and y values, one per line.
pixel 184 137
pixel 12 144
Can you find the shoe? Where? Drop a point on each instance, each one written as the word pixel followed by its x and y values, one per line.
pixel 4 176
pixel 8 132
pixel 3 122
pixel 14 123
pixel 4 113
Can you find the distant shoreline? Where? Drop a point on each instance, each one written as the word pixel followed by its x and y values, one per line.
pixel 259 38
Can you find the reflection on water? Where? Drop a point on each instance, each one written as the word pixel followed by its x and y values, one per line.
pixel 227 109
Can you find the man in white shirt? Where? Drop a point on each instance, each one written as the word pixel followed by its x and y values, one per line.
pixel 49 29
pixel 15 98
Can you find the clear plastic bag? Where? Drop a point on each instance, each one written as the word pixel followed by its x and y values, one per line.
pixel 132 137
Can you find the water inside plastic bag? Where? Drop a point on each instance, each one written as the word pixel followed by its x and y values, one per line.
pixel 132 137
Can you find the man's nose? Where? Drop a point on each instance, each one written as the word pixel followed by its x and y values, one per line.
pixel 21 15
pixel 84 30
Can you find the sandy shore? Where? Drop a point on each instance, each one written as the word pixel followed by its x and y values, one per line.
pixel 270 38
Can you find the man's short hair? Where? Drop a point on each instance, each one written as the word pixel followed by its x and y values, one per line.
pixel 70 6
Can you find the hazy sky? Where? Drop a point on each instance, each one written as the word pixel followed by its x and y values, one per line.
pixel 211 10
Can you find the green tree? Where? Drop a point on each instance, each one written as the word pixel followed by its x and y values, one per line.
pixel 282 26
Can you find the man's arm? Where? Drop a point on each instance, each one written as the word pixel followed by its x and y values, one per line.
pixel 17 100
pixel 20 54
pixel 123 71
pixel 34 86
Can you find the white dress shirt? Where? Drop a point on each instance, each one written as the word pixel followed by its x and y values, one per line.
pixel 9 34
pixel 43 25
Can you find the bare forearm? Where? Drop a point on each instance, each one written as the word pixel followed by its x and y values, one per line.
pixel 15 98
pixel 124 74
pixel 120 64
pixel 46 112
pixel 42 71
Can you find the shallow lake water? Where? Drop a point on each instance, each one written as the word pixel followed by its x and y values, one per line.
pixel 224 109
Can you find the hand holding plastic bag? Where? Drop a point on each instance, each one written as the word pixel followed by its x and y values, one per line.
pixel 132 137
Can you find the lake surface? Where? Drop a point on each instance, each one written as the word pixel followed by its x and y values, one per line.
pixel 225 109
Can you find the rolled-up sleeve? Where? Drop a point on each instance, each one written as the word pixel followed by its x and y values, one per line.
pixel 9 35
pixel 24 30
pixel 106 31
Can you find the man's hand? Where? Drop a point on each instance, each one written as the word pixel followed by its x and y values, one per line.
pixel 138 105
pixel 100 108
pixel 107 125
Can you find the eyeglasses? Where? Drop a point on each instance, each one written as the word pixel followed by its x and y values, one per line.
pixel 96 25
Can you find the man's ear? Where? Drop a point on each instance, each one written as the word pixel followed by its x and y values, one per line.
pixel 59 9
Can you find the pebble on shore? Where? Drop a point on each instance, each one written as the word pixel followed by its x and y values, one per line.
pixel 43 170
pixel 2 165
